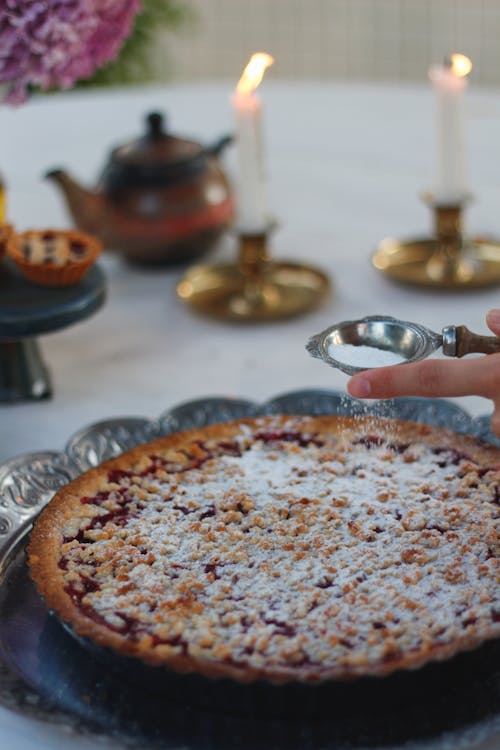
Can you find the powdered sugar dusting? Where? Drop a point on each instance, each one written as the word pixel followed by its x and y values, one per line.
pixel 282 549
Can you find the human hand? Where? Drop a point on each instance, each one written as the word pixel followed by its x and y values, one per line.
pixel 437 378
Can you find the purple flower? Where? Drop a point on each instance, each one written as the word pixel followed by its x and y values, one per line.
pixel 51 44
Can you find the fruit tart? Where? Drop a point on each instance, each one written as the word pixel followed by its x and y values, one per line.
pixel 282 548
pixel 6 231
pixel 53 257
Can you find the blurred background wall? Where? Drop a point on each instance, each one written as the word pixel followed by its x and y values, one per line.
pixel 381 40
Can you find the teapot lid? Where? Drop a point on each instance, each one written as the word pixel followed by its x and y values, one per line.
pixel 157 157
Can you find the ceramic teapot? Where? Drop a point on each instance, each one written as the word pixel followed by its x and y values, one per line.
pixel 159 199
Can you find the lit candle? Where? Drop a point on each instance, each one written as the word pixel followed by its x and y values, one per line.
pixel 449 82
pixel 251 203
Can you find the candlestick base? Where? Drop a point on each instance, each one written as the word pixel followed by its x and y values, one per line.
pixel 256 289
pixel 449 260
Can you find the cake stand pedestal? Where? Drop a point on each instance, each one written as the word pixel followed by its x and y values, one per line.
pixel 28 310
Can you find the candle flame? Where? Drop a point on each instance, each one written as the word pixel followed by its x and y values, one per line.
pixel 254 72
pixel 460 65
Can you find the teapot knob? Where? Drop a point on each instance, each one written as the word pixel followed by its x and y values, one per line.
pixel 155 124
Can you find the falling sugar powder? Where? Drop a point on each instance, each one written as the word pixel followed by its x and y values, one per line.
pixel 364 356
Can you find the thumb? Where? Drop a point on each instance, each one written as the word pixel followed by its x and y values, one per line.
pixel 493 321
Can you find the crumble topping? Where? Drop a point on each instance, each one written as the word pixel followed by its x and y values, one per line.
pixel 56 248
pixel 287 549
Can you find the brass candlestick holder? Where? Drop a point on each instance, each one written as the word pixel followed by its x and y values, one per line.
pixel 448 260
pixel 255 288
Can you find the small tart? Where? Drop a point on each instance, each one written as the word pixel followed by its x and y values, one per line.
pixel 281 548
pixel 6 231
pixel 53 257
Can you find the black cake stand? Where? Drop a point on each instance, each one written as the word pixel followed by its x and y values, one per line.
pixel 28 310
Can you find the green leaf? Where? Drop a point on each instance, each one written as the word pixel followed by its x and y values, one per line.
pixel 134 64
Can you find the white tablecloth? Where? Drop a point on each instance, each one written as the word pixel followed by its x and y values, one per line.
pixel 346 166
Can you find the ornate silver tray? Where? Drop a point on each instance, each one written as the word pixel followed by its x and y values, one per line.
pixel 28 482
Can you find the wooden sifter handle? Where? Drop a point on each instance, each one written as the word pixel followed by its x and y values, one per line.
pixel 468 342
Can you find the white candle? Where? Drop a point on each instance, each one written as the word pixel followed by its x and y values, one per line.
pixel 449 82
pixel 251 198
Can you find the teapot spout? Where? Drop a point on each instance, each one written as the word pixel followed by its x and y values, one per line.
pixel 85 206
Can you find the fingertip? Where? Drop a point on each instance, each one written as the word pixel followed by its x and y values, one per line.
pixel 359 386
pixel 493 320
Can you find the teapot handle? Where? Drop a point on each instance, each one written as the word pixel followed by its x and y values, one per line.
pixel 220 144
